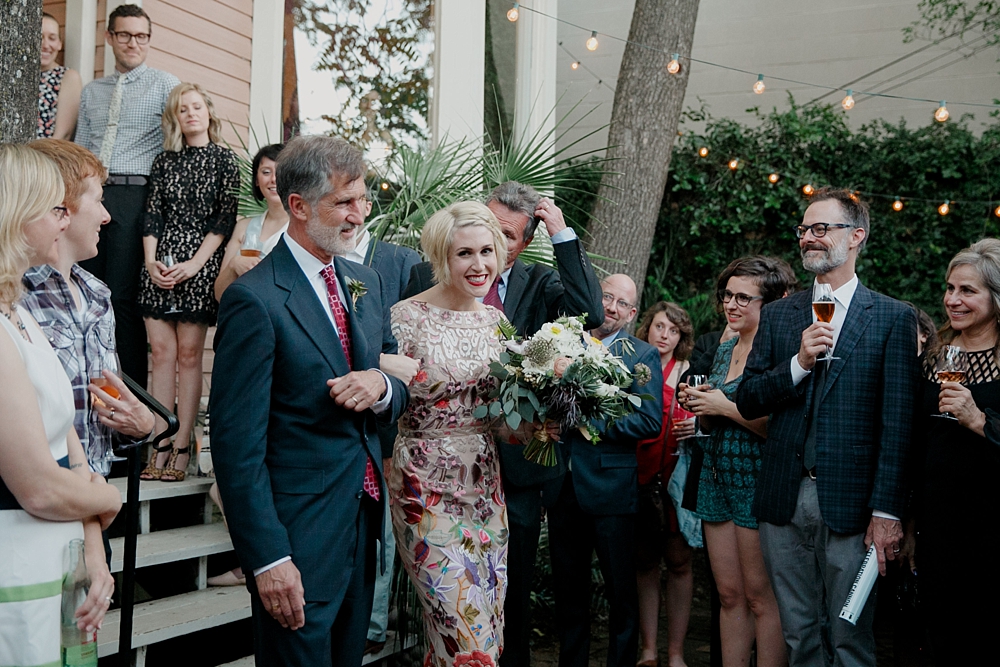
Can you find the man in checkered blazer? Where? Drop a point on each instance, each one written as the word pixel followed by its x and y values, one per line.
pixel 831 482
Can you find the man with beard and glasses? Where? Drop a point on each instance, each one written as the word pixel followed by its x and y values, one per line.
pixel 831 482
pixel 295 398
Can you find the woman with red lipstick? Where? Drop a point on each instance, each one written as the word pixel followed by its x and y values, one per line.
pixel 730 468
pixel 190 212
pixel 959 464
pixel 58 89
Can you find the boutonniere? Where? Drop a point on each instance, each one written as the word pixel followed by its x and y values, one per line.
pixel 357 289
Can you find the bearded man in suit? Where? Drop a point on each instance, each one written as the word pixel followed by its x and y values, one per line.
pixel 295 398
pixel 529 296
pixel 831 481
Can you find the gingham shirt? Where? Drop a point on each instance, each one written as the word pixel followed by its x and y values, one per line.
pixel 140 135
pixel 80 340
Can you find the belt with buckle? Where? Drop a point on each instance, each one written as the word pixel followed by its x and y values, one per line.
pixel 810 473
pixel 125 179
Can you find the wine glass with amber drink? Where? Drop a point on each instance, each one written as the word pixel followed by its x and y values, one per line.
pixel 824 306
pixel 98 380
pixel 252 244
pixel 951 365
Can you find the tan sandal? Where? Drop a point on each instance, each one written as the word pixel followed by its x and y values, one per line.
pixel 151 472
pixel 171 470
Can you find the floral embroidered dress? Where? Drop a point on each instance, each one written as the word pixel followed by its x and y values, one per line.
pixel 448 511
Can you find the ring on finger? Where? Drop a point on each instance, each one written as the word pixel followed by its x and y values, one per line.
pixel 112 414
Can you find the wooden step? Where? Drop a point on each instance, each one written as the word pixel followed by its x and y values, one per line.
pixel 168 546
pixel 159 620
pixel 155 490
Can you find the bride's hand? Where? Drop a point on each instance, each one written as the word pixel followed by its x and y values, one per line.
pixel 399 366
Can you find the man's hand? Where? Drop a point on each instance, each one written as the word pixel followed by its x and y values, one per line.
pixel 908 547
pixel 886 534
pixel 282 594
pixel 550 216
pixel 358 390
pixel 815 341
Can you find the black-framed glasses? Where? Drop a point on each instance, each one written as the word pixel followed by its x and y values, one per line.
pixel 622 304
pixel 123 38
pixel 725 296
pixel 818 230
pixel 61 212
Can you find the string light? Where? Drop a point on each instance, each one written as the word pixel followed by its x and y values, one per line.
pixel 674 66
pixel 733 164
pixel 773 178
pixel 941 115
pixel 512 13
pixel 945 208
pixel 592 42
pixel 385 186
pixel 575 65
pixel 758 87
pixel 897 205
pixel 996 212
pixel 808 190
pixel 848 102
pixel 703 151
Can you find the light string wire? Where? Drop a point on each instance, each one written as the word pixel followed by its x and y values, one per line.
pixel 744 71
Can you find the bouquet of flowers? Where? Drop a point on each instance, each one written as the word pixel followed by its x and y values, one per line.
pixel 560 376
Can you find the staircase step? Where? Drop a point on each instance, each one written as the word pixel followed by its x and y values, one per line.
pixel 168 546
pixel 159 620
pixel 155 490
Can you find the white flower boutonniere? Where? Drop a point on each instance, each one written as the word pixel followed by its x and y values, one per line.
pixel 357 289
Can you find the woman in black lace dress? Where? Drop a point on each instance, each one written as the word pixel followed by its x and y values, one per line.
pixel 190 212
pixel 959 467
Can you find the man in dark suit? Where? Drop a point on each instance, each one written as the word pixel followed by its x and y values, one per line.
pixel 295 399
pixel 832 476
pixel 593 508
pixel 530 296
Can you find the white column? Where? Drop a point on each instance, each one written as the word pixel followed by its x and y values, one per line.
pixel 535 89
pixel 109 55
pixel 266 72
pixel 81 33
pixel 459 70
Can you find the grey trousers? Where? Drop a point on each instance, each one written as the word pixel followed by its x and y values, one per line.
pixel 812 570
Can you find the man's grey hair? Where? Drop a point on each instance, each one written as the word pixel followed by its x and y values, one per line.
pixel 518 198
pixel 307 163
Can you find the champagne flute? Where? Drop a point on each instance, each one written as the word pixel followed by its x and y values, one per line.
pixel 951 365
pixel 697 382
pixel 824 306
pixel 168 261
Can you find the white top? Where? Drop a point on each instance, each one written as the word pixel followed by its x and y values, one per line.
pixel 272 240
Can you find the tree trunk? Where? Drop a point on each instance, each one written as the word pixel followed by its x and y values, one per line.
pixel 643 129
pixel 20 51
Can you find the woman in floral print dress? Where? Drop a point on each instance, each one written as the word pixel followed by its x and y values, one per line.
pixel 448 511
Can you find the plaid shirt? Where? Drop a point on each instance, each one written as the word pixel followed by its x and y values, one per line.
pixel 140 135
pixel 81 340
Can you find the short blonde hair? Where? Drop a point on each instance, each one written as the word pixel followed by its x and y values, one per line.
pixel 439 231
pixel 76 164
pixel 173 138
pixel 30 187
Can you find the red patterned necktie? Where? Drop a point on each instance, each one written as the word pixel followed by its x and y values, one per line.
pixel 492 297
pixel 344 333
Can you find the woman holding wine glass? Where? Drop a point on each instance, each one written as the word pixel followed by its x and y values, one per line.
pixel 190 212
pixel 730 467
pixel 959 466
pixel 254 237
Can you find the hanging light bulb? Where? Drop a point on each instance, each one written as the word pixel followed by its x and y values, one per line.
pixel 848 102
pixel 897 205
pixel 733 164
pixel 773 178
pixel 758 87
pixel 941 115
pixel 703 151
pixel 575 65
pixel 945 208
pixel 674 66
pixel 513 13
pixel 996 212
pixel 808 190
pixel 385 186
pixel 592 42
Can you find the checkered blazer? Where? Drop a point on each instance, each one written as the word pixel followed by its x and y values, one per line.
pixel 865 418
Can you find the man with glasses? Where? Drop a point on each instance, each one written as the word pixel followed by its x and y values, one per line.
pixel 831 481
pixel 119 121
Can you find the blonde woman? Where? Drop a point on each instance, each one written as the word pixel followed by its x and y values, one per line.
pixel 190 212
pixel 48 496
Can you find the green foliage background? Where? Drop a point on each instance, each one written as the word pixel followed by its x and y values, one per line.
pixel 711 215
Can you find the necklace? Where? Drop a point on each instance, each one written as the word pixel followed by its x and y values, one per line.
pixel 737 356
pixel 8 313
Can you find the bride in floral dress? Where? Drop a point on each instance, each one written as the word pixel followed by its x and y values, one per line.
pixel 448 511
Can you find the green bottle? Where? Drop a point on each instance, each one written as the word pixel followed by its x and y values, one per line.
pixel 79 647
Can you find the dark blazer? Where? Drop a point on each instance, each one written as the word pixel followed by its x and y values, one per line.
pixel 537 294
pixel 289 461
pixel 864 420
pixel 605 476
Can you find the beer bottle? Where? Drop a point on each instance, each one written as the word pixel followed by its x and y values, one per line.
pixel 79 647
